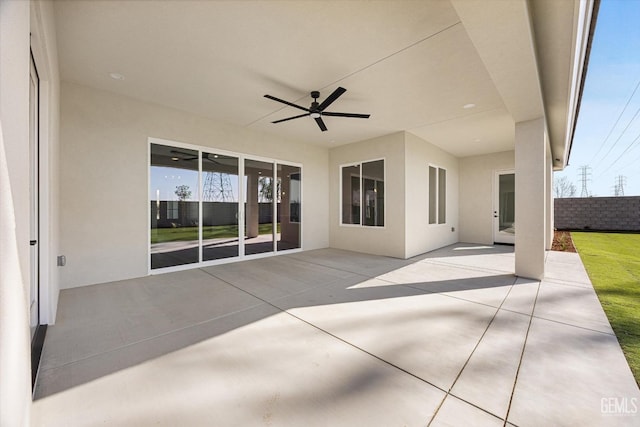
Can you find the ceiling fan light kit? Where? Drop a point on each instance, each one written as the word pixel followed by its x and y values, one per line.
pixel 316 110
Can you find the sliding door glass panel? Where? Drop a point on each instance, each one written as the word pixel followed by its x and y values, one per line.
pixel 174 210
pixel 351 194
pixel 442 196
pixel 288 221
pixel 260 191
pixel 373 187
pixel 219 206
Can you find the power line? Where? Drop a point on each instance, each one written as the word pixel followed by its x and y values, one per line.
pixel 619 137
pixel 621 154
pixel 616 123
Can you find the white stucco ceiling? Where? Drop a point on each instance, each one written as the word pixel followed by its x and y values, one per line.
pixel 412 65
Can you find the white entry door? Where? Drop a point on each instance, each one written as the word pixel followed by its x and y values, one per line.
pixel 504 208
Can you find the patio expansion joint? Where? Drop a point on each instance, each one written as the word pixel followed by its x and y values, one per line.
pixel 386 362
pixel 568 283
pixel 147 339
pixel 448 393
pixel 574 326
pixel 524 346
pixel 344 270
pixel 465 267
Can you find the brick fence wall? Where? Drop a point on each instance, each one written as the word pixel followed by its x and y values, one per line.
pixel 598 213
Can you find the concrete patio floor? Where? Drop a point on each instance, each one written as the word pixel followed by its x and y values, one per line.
pixel 336 338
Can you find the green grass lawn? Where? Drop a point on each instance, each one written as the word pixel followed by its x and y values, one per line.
pixel 613 263
pixel 180 234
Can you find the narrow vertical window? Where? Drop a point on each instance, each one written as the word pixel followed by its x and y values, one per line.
pixel 442 196
pixel 433 179
pixel 437 195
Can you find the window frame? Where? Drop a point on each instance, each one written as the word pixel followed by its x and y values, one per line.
pixel 437 197
pixel 241 156
pixel 361 201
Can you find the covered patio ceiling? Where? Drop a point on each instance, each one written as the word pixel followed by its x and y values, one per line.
pixel 456 73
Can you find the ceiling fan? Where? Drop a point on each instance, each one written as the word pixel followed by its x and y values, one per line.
pixel 316 111
pixel 189 156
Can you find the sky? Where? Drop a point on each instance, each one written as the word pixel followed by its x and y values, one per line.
pixel 607 137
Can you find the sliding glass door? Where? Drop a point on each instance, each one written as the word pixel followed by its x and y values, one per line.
pixel 289 203
pixel 260 191
pixel 219 207
pixel 208 206
pixel 173 195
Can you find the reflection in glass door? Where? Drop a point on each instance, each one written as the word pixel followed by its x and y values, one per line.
pixel 260 191
pixel 219 206
pixel 504 214
pixel 207 206
pixel 289 203
pixel 174 207
pixel 373 192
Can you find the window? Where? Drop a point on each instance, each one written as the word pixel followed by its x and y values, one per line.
pixel 362 194
pixel 437 195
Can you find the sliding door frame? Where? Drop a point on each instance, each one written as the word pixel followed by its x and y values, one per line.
pixel 241 203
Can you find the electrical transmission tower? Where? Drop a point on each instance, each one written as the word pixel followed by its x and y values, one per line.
pixel 217 188
pixel 585 173
pixel 618 188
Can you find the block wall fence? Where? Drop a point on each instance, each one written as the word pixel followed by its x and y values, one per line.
pixel 597 213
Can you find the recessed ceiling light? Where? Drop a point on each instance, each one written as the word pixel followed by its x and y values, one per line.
pixel 467 106
pixel 175 159
pixel 215 156
pixel 116 76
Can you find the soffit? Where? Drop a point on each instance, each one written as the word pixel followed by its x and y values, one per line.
pixel 412 65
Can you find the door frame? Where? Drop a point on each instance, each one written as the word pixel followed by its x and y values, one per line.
pixel 498 236
pixel 37 220
pixel 242 157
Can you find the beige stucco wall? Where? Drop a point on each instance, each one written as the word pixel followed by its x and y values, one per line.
pixel 477 177
pixel 390 239
pixel 420 235
pixel 15 399
pixel 24 25
pixel 45 53
pixel 104 168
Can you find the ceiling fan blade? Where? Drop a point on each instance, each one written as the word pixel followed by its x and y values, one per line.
pixel 335 95
pixel 321 124
pixel 286 102
pixel 354 115
pixel 191 156
pixel 291 118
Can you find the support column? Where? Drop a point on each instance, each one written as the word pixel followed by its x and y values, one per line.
pixel 530 144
